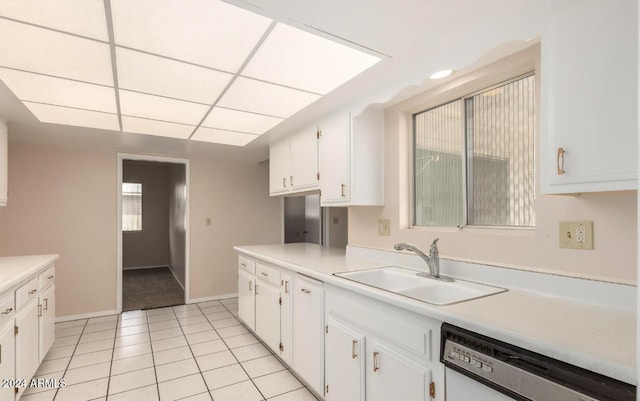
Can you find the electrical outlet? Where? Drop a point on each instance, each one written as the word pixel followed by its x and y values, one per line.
pixel 383 227
pixel 576 234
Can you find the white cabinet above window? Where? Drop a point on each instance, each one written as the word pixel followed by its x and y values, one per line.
pixel 293 163
pixel 589 99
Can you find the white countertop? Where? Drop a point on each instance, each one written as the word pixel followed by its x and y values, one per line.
pixel 14 269
pixel 593 337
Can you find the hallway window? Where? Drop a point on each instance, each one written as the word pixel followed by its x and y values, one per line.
pixel 131 206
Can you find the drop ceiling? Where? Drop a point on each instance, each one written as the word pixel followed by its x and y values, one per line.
pixel 200 70
pixel 413 39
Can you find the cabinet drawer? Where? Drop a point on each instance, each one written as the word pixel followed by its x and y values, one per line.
pixel 26 293
pixel 268 274
pixel 6 308
pixel 247 265
pixel 46 278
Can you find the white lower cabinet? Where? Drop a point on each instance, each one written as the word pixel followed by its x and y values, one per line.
pixel 268 314
pixel 392 376
pixel 344 362
pixel 47 320
pixel 308 331
pixel 7 360
pixel 27 343
pixel 247 299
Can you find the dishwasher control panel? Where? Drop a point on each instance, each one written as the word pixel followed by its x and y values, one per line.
pixel 525 375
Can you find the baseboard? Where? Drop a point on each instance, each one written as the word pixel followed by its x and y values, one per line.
pixel 67 318
pixel 213 298
pixel 176 277
pixel 143 267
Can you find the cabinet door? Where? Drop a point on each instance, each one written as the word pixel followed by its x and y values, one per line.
pixel 279 166
pixel 7 360
pixel 268 314
pixel 392 376
pixel 303 148
pixel 588 111
pixel 247 299
pixel 334 158
pixel 286 318
pixel 27 343
pixel 308 331
pixel 47 320
pixel 344 359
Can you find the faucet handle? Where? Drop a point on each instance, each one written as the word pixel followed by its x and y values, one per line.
pixel 434 245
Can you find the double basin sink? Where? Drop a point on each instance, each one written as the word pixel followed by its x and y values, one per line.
pixel 408 283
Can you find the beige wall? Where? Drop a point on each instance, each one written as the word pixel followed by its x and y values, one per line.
pixel 63 200
pixel 614 213
pixel 150 246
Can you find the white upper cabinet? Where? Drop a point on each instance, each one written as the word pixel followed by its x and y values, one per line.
pixel 4 168
pixel 352 159
pixel 589 99
pixel 293 163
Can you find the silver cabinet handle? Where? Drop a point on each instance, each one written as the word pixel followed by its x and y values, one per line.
pixel 354 345
pixel 342 188
pixel 243 264
pixel 256 289
pixel 6 311
pixel 291 180
pixel 560 161
pixel 50 277
pixel 32 292
pixel 305 291
pixel 250 288
pixel 375 362
pixel 46 304
pixel 284 182
pixel 39 310
pixel 265 274
pixel 286 286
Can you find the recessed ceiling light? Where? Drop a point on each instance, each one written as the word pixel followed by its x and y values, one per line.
pixel 221 136
pixel 76 117
pixel 206 32
pixel 53 53
pixel 135 104
pixel 80 17
pixel 234 120
pixel 441 74
pixel 57 91
pixel 161 76
pixel 158 128
pixel 265 98
pixel 299 59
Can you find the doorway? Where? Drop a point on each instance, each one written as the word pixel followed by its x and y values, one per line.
pixel 153 268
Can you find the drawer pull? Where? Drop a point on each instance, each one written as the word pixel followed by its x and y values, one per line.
pixel 286 286
pixel 375 362
pixel 39 310
pixel 342 188
pixel 305 291
pixel 265 274
pixel 7 311
pixel 243 264
pixel 250 286
pixel 33 291
pixel 46 304
pixel 50 277
pixel 354 344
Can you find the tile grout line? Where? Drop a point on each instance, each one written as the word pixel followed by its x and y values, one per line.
pixel 191 350
pixel 153 358
pixel 113 350
pixel 72 355
pixel 234 355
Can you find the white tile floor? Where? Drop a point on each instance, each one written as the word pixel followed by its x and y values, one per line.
pixel 188 352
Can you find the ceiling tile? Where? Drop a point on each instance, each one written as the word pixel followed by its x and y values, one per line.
pixel 75 117
pixel 62 92
pixel 158 128
pixel 205 32
pixel 160 108
pixel 160 76
pixel 264 98
pixel 293 57
pixel 221 136
pixel 47 52
pixel 80 17
pixel 234 120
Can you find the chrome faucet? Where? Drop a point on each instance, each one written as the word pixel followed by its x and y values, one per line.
pixel 433 259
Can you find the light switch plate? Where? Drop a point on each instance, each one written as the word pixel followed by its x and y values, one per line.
pixel 383 227
pixel 576 234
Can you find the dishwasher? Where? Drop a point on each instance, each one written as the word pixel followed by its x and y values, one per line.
pixel 480 368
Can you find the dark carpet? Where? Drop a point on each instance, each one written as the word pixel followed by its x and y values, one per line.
pixel 150 288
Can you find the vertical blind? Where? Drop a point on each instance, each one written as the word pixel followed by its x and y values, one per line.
pixel 131 206
pixel 474 159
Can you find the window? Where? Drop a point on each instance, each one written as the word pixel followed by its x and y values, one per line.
pixel 474 159
pixel 131 206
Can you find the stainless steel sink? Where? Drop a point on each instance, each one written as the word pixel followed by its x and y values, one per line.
pixel 406 282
